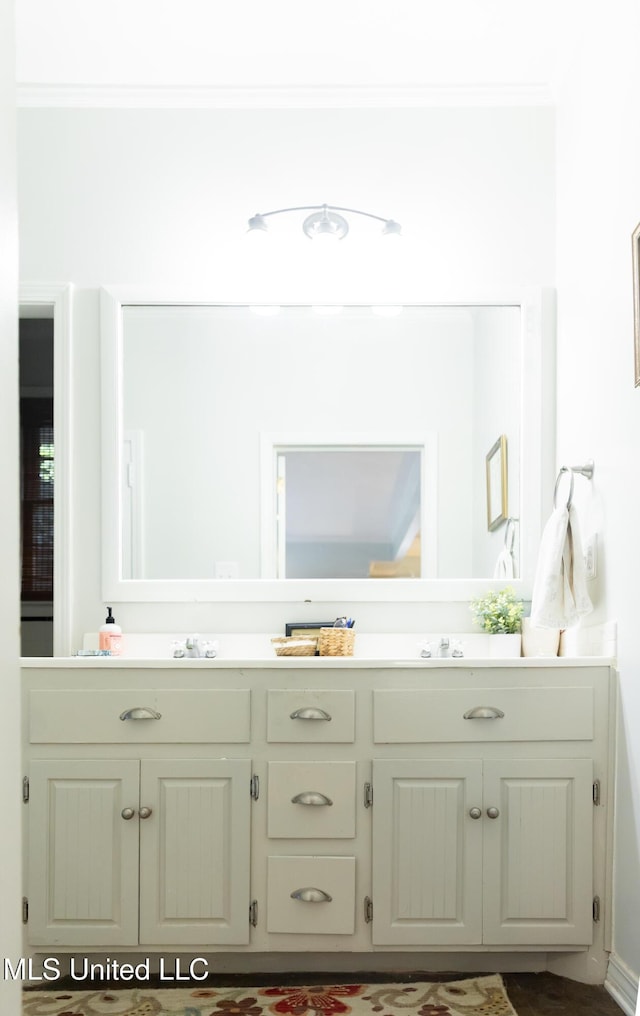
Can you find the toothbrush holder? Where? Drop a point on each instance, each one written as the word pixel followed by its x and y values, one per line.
pixel 336 641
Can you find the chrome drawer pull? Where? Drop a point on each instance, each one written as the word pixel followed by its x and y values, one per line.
pixel 475 812
pixel 311 895
pixel 140 713
pixel 484 713
pixel 145 812
pixel 311 797
pixel 310 713
pixel 127 814
pixel 493 812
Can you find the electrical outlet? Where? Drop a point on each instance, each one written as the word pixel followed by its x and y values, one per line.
pixel 590 551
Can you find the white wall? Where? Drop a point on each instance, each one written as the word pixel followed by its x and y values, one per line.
pixel 10 879
pixel 164 195
pixel 162 198
pixel 598 407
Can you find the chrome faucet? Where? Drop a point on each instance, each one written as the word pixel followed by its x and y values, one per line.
pixel 192 646
pixel 443 648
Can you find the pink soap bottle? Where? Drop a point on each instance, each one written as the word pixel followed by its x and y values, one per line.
pixel 110 635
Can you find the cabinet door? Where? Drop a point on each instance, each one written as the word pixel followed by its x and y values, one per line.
pixel 538 852
pixel 194 851
pixel 83 855
pixel 427 852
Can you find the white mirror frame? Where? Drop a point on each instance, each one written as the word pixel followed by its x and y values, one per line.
pixel 537 445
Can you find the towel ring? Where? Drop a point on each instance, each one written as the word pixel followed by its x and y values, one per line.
pixel 563 469
pixel 586 470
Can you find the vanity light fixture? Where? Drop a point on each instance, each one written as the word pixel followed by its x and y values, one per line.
pixel 324 220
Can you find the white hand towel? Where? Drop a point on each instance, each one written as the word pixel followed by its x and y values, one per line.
pixel 560 596
pixel 504 568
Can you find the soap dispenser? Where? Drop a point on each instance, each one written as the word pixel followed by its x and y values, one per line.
pixel 110 635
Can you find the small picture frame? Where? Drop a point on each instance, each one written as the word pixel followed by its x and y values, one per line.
pixel 302 628
pixel 497 507
pixel 635 263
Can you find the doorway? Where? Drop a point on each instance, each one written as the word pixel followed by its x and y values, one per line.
pixel 37 478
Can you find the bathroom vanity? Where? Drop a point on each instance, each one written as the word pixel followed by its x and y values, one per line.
pixel 327 805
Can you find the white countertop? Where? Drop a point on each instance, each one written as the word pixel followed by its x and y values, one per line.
pixel 309 663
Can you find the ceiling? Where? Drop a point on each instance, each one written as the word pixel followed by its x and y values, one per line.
pixel 409 49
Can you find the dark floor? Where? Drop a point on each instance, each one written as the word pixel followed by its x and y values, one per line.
pixel 542 994
pixel 548 995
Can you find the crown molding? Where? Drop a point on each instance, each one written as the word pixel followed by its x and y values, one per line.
pixel 51 96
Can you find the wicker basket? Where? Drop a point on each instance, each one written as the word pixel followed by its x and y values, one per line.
pixel 336 641
pixel 295 645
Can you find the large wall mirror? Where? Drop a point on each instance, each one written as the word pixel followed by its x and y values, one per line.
pixel 294 452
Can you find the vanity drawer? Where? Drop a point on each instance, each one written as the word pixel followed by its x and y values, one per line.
pixel 312 800
pixel 310 715
pixel 186 715
pixel 327 888
pixel 529 714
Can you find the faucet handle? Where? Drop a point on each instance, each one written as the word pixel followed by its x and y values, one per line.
pixel 209 649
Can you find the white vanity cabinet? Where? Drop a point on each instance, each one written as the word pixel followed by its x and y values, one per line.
pixel 320 806
pixel 493 846
pixel 472 852
pixel 128 850
pixel 312 805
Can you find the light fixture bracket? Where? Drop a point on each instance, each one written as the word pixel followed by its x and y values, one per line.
pixel 324 220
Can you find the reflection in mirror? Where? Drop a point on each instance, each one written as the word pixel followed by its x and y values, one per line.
pixel 202 385
pixel 348 513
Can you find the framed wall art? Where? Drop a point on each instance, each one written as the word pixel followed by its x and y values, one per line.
pixel 497 483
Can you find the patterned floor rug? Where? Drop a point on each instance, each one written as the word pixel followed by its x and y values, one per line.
pixel 476 996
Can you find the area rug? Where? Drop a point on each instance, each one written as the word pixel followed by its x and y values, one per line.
pixel 475 996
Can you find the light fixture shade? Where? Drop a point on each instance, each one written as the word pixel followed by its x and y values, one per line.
pixel 257 222
pixel 325 223
pixel 391 228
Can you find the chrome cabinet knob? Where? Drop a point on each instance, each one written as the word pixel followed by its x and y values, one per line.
pixel 144 812
pixel 475 812
pixel 127 813
pixel 313 797
pixel 311 895
pixel 493 812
